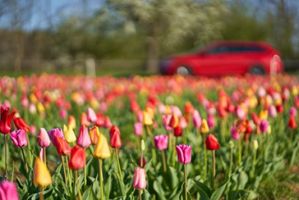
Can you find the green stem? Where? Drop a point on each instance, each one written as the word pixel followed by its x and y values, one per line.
pixel 101 179
pixel 230 163
pixel 254 163
pixel 45 155
pixel 41 194
pixel 214 168
pixel 85 175
pixel 64 170
pixel 77 186
pixel 205 159
pixel 164 161
pixel 118 163
pixel 5 154
pixel 240 152
pixel 139 194
pixel 185 182
pixel 24 159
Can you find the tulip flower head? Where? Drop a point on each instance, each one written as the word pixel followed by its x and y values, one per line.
pixel 94 134
pixel 138 128
pixel 69 134
pixel 62 146
pixel 139 179
pixel 292 122
pixel 41 174
pixel 178 131
pixel 21 124
pixel 19 138
pixel 43 138
pixel 204 128
pixel 6 118
pixel 8 191
pixel 102 149
pixel 235 133
pixel 83 138
pixel 91 115
pixel 78 158
pixel 196 119
pixel 264 126
pixel 161 142
pixel 184 153
pixel 212 143
pixel 115 140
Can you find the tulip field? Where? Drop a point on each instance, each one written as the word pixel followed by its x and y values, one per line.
pixel 153 138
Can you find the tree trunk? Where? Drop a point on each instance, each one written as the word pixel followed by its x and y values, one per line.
pixel 152 62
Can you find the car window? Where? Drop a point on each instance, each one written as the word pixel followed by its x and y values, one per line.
pixel 235 49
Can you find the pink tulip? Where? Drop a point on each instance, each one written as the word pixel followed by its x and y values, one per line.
pixel 19 138
pixel 234 133
pixel 138 128
pixel 166 120
pixel 211 121
pixel 139 179
pixel 8 191
pixel 196 119
pixel 91 115
pixel 272 111
pixel 83 138
pixel 293 111
pixel 184 153
pixel 43 138
pixel 63 113
pixel 183 123
pixel 161 142
pixel 240 113
pixel 264 125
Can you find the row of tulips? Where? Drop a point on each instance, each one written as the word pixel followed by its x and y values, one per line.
pixel 163 142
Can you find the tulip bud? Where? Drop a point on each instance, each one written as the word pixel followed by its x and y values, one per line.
pixel 41 174
pixel 91 115
pixel 43 138
pixel 78 158
pixel 62 146
pixel 69 134
pixel 147 118
pixel 142 162
pixel 255 144
pixel 161 142
pixel 211 121
pixel 178 131
pixel 138 129
pixel 196 119
pixel 19 138
pixel 115 140
pixel 21 124
pixel 166 121
pixel 292 122
pixel 8 191
pixel 83 138
pixel 184 153
pixel 6 117
pixel 264 126
pixel 234 133
pixel 204 128
pixel 174 121
pixel 139 179
pixel 102 149
pixel 212 143
pixel 94 135
pixel 71 122
pixel 293 111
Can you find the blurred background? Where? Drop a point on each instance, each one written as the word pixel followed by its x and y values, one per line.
pixel 123 37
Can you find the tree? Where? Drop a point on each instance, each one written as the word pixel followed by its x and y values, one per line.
pixel 165 23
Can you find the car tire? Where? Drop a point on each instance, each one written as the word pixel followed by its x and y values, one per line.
pixel 183 70
pixel 257 70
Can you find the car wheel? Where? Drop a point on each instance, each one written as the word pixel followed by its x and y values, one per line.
pixel 183 70
pixel 257 70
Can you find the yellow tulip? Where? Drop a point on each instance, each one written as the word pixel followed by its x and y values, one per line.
pixel 40 108
pixel 69 134
pixel 147 118
pixel 41 174
pixel 102 149
pixel 263 114
pixel 71 122
pixel 204 128
pixel 94 134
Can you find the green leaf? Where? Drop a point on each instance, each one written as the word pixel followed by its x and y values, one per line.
pixel 217 194
pixel 159 190
pixel 203 190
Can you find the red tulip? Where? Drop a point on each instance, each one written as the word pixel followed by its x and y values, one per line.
pixel 292 122
pixel 62 146
pixel 178 131
pixel 21 124
pixel 212 143
pixel 115 140
pixel 78 158
pixel 6 118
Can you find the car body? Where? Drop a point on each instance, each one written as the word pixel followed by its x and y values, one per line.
pixel 226 58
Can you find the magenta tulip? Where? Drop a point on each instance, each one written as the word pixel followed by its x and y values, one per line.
pixel 19 138
pixel 184 153
pixel 264 125
pixel 161 142
pixel 235 133
pixel 8 191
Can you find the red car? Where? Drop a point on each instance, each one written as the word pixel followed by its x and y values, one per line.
pixel 226 58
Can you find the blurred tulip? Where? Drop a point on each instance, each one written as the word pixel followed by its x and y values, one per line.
pixel 138 128
pixel 142 162
pixel 71 122
pixel 184 153
pixel 196 119
pixel 161 142
pixel 292 122
pixel 166 121
pixel 62 146
pixel 91 115
pixel 83 137
pixel 234 133
pixel 255 144
pixel 43 138
pixel 94 134
pixel 78 158
pixel 69 134
pixel 54 133
pixel 272 111
pixel 204 127
pixel 41 174
pixel 139 179
pixel 174 121
pixel 115 139
pixel 211 121
pixel 6 118
pixel 84 121
pixel 264 126
pixel 212 143
pixel 178 131
pixel 21 124
pixel 19 138
pixel 8 191
pixel 147 118
pixel 102 149
pixel 293 111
